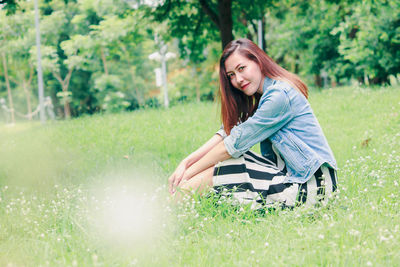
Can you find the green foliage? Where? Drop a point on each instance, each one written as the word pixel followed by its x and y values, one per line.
pixel 50 59
pixel 95 49
pixel 77 43
pixel 64 96
pixel 187 22
pixel 10 6
pixel 105 83
pixel 115 102
pixel 370 40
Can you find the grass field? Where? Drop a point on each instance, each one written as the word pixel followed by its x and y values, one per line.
pixel 92 192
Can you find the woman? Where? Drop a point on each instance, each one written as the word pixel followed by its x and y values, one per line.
pixel 261 103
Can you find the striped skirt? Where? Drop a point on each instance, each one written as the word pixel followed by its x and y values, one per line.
pixel 258 181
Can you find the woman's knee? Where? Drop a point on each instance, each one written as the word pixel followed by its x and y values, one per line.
pixel 198 183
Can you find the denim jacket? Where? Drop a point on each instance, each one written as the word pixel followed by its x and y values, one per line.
pixel 285 120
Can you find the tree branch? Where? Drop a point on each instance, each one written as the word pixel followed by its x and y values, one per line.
pixel 213 16
pixel 30 75
pixel 58 77
pixel 68 78
pixel 255 27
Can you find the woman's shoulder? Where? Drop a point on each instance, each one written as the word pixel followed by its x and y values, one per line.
pixel 275 98
pixel 276 89
pixel 284 88
pixel 279 85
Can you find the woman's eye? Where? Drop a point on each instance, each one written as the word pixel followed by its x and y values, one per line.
pixel 241 68
pixel 230 75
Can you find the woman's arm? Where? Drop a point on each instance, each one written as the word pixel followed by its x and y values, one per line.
pixel 216 154
pixel 201 151
pixel 176 177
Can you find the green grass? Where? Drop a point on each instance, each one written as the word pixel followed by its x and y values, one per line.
pixel 92 192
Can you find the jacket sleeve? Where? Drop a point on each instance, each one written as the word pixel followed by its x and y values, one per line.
pixel 222 132
pixel 273 113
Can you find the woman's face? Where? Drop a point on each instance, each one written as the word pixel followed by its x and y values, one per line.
pixel 244 74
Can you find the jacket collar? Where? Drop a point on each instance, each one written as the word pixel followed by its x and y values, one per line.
pixel 267 82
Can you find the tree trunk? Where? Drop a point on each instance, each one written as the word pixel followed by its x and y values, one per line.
pixel 225 21
pixel 64 86
pixel 67 108
pixel 318 80
pixel 10 100
pixel 296 64
pixel 243 19
pixel 264 40
pixel 138 95
pixel 103 59
pixel 28 98
pixel 195 76
pixel 26 84
pixel 222 19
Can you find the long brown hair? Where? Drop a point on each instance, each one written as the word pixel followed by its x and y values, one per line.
pixel 235 105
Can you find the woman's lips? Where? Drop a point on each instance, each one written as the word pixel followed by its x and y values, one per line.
pixel 245 86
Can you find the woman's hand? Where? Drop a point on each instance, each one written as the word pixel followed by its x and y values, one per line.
pixel 181 173
pixel 175 179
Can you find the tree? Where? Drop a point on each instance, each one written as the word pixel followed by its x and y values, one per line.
pixel 186 18
pixel 6 34
pixel 10 6
pixel 370 40
pixel 22 65
pixel 52 27
pixel 114 47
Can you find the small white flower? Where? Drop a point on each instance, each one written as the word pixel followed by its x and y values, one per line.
pixel 354 232
pixel 266 244
pixel 252 252
pixel 321 236
pixel 383 238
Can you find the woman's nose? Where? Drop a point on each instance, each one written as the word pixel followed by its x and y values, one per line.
pixel 239 78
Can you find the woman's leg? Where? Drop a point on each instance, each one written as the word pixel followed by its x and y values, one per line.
pixel 199 183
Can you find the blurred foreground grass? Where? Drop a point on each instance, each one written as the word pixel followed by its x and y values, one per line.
pixel 91 191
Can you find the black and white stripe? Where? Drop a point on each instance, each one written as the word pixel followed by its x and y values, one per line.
pixel 255 179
